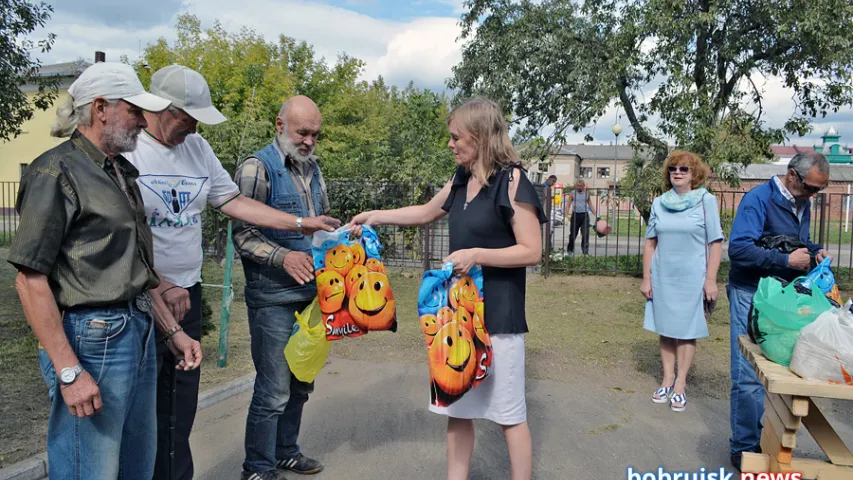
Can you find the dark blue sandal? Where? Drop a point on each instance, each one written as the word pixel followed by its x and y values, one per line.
pixel 662 394
pixel 680 398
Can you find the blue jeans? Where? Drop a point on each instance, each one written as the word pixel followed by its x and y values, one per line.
pixel 115 345
pixel 747 395
pixel 275 414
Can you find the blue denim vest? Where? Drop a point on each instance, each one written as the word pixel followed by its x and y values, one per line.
pixel 268 285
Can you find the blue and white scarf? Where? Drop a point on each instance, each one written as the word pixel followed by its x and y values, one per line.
pixel 679 203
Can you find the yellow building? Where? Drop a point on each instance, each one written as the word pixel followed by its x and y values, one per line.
pixel 35 137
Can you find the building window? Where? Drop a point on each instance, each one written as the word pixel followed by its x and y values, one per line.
pixel 586 172
pixel 535 177
pixel 23 168
pixel 603 172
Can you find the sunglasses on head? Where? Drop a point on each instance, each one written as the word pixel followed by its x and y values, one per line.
pixel 680 168
pixel 808 188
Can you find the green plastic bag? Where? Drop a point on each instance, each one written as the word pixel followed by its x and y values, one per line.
pixel 778 314
pixel 307 349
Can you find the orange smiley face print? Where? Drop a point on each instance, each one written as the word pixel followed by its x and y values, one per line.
pixel 340 259
pixel 375 265
pixel 330 291
pixel 452 359
pixel 358 255
pixel 372 304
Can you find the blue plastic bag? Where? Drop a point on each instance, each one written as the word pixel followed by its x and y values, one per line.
pixel 822 278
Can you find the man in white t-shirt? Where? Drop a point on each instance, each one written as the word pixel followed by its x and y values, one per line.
pixel 179 174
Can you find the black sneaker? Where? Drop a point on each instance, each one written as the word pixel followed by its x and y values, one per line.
pixel 736 458
pixel 300 464
pixel 270 475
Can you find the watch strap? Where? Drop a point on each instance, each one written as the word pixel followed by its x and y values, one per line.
pixel 77 369
pixel 299 225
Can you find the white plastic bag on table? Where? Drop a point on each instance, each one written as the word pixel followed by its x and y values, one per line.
pixel 824 349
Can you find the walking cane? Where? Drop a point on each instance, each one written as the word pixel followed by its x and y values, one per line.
pixel 173 404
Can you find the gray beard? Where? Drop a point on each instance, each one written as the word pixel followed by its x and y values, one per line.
pixel 119 140
pixel 292 151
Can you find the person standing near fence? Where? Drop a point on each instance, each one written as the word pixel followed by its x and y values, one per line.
pixel 680 264
pixel 86 265
pixel 494 215
pixel 279 273
pixel 550 181
pixel 781 206
pixel 578 206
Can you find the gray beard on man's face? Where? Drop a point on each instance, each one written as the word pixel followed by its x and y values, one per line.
pixel 292 150
pixel 119 140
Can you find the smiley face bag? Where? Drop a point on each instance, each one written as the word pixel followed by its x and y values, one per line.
pixel 459 349
pixel 353 291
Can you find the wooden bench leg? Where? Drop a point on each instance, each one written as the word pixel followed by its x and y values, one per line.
pixel 826 438
pixel 780 457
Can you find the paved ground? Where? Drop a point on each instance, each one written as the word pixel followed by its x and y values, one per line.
pixel 369 421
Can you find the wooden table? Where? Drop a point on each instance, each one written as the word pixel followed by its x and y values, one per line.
pixel 788 406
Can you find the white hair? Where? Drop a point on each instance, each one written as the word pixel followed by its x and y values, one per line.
pixel 68 117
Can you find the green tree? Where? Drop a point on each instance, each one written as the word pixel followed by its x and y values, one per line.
pixel 371 131
pixel 19 18
pixel 381 147
pixel 686 70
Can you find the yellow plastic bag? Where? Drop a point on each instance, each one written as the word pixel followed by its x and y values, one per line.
pixel 307 349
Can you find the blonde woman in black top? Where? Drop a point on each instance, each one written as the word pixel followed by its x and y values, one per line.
pixel 494 216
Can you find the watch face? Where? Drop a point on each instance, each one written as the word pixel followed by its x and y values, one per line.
pixel 67 375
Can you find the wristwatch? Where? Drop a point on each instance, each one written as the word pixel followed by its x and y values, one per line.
pixel 299 225
pixel 69 375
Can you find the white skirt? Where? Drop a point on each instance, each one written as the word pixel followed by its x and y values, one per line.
pixel 500 398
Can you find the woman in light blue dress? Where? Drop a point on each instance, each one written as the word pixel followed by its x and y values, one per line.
pixel 680 263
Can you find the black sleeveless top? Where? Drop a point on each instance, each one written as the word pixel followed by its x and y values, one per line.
pixel 484 223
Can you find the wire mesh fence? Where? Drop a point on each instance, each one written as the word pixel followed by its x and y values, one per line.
pixel 831 225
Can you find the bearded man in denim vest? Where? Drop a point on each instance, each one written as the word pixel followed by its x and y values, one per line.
pixel 279 282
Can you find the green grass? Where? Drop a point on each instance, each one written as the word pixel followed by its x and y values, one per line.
pixel 613 264
pixel 24 405
pixel 832 230
pixel 626 227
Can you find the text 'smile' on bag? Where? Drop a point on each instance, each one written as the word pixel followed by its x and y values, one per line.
pixel 353 291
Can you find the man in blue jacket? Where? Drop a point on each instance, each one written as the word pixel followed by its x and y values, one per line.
pixel 779 207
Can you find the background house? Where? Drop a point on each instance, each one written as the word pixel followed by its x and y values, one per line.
pixel 599 166
pixel 35 137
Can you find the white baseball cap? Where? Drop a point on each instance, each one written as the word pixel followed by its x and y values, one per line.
pixel 113 81
pixel 187 90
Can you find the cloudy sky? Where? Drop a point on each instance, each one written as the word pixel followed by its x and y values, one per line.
pixel 401 40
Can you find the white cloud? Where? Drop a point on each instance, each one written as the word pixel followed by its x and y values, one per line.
pixel 777 102
pixel 331 30
pixel 458 9
pixel 79 37
pixel 422 50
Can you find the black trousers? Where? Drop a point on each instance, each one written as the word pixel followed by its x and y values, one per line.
pixel 580 221
pixel 186 399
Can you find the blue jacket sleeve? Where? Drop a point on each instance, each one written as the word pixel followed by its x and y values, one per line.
pixel 746 230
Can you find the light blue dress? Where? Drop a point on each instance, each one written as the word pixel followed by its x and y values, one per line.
pixel 678 268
